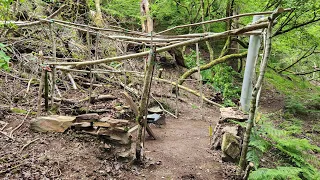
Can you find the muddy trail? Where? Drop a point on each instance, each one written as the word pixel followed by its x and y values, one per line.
pixel 182 149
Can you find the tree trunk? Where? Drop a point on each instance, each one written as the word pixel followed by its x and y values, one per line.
pixel 142 111
pixel 253 107
pixel 146 20
pixel 204 30
pixel 98 16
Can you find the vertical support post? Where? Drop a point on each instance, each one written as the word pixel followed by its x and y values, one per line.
pixel 41 84
pixel 177 94
pixel 91 74
pixel 200 80
pixel 46 90
pixel 253 51
pixel 54 51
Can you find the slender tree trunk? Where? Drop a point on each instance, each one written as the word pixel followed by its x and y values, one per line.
pixel 253 107
pixel 142 111
pixel 146 20
pixel 98 16
pixel 204 30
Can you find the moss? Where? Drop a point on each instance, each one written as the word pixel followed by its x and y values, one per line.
pixel 22 111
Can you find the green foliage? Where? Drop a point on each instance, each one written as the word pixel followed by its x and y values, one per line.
pixel 224 81
pixel 302 98
pixel 294 150
pixel 191 59
pixel 281 173
pixel 257 147
pixel 4 58
pixel 221 77
pixel 126 11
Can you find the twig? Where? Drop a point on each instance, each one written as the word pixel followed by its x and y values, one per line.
pixel 29 83
pixel 247 171
pixel 163 107
pixel 26 145
pixel 74 85
pixel 11 133
pixel 3 133
pixel 10 169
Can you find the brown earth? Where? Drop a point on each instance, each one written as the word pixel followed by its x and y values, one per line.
pixel 180 152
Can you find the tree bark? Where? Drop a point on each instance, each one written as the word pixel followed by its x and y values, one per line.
pixel 146 20
pixel 204 30
pixel 144 103
pixel 98 16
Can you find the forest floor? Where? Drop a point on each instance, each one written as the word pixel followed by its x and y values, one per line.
pixel 182 150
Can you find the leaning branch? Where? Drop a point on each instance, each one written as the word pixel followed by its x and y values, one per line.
pixel 209 65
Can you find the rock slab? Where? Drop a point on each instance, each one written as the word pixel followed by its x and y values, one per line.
pixel 52 123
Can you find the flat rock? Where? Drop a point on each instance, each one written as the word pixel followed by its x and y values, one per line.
pixel 101 124
pixel 52 123
pixel 115 122
pixel 232 113
pixel 82 125
pixel 120 138
pixel 91 117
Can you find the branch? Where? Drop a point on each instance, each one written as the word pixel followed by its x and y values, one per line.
pixel 209 65
pixel 305 73
pixel 219 20
pixel 295 27
pixel 184 43
pixel 305 55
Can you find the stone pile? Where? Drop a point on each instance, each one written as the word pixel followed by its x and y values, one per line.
pixel 113 131
pixel 228 136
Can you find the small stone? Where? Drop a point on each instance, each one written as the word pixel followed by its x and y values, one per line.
pixel 107 146
pixel 158 162
pixel 118 108
pixel 155 109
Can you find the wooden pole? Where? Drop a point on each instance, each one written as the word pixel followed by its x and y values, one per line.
pixel 53 72
pixel 40 85
pixel 200 81
pixel 90 74
pixel 144 104
pixel 46 90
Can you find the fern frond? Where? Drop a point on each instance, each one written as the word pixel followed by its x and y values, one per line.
pixel 281 173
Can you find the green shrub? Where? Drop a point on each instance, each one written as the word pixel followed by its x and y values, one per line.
pixel 4 58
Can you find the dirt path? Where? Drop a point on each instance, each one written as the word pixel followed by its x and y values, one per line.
pixel 182 148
